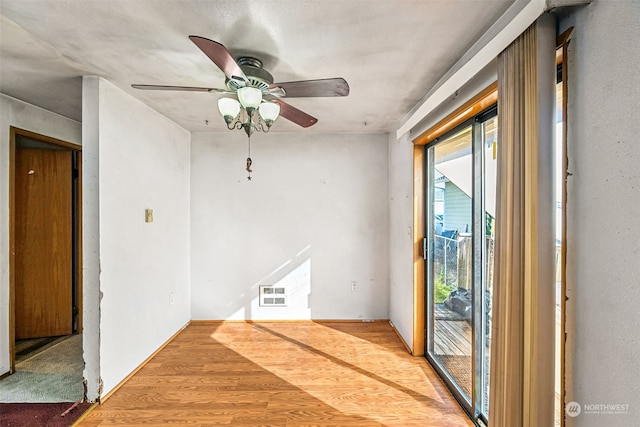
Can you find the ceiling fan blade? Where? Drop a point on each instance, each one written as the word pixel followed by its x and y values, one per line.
pixel 277 91
pixel 182 88
pixel 314 88
pixel 296 116
pixel 221 57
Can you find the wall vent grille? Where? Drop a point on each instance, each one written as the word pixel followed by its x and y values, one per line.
pixel 273 296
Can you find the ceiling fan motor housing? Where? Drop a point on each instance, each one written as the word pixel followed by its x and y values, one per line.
pixel 252 68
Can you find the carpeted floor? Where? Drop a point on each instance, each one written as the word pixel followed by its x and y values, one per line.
pixel 52 375
pixel 41 414
pixel 29 347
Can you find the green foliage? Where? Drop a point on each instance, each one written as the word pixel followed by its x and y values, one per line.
pixel 441 289
pixel 489 223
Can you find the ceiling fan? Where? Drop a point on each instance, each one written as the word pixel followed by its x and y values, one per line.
pixel 250 89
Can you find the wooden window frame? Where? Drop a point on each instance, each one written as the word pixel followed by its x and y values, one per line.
pixel 474 106
pixel 566 372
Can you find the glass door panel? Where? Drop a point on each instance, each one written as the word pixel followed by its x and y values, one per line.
pixel 489 177
pixel 460 228
pixel 451 293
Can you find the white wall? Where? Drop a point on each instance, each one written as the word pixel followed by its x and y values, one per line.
pixel 143 162
pixel 19 114
pixel 603 207
pixel 401 235
pixel 314 218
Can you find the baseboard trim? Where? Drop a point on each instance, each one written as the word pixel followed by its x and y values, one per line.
pixel 217 322
pixel 147 360
pixel 350 320
pixel 404 343
pixel 83 416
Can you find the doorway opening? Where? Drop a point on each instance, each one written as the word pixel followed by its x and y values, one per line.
pixel 45 267
pixel 459 222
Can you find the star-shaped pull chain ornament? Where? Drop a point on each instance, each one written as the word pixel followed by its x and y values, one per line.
pixel 249 161
pixel 249 168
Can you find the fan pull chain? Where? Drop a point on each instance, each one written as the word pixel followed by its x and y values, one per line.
pixel 249 161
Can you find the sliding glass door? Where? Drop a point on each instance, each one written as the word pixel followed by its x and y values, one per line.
pixel 459 224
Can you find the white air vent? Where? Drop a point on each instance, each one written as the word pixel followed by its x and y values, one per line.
pixel 273 296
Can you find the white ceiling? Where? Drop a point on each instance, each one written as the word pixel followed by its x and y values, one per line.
pixel 391 52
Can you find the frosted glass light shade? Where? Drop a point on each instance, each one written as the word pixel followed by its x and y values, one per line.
pixel 229 107
pixel 269 111
pixel 249 97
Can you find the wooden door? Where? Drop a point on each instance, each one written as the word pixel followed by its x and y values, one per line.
pixel 43 243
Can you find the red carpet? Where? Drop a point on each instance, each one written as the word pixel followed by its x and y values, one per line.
pixel 40 414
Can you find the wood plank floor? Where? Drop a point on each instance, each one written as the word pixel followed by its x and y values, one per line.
pixel 283 374
pixel 452 334
pixel 452 337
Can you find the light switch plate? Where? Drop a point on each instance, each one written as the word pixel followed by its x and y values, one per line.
pixel 148 215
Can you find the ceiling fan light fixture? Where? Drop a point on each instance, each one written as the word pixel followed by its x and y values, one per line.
pixel 269 112
pixel 229 108
pixel 247 80
pixel 249 97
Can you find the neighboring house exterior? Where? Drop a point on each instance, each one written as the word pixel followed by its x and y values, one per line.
pixel 457 209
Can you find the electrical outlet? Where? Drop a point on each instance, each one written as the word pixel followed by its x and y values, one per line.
pixel 354 286
pixel 172 298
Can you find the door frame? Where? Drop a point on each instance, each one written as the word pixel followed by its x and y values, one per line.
pixel 467 111
pixel 475 126
pixel 480 102
pixel 14 133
